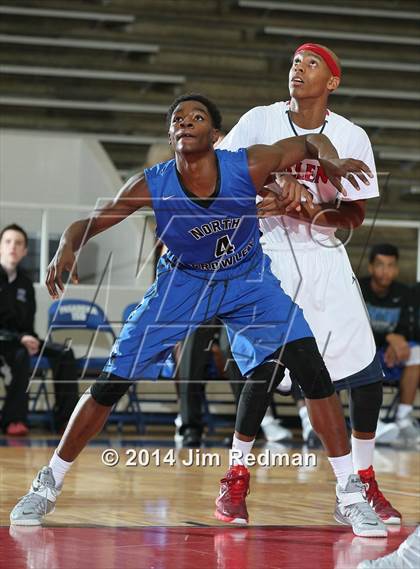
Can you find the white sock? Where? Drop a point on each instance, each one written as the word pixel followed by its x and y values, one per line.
pixel 362 452
pixel 244 449
pixel 59 468
pixel 403 410
pixel 343 468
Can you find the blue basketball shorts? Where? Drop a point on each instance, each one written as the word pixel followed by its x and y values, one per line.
pixel 259 316
pixel 394 373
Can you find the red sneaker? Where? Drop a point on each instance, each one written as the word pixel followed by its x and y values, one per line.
pixel 377 500
pixel 17 429
pixel 234 488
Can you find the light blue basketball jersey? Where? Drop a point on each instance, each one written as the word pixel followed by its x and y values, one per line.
pixel 211 235
pixel 217 238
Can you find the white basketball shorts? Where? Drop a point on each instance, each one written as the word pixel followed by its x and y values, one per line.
pixel 321 281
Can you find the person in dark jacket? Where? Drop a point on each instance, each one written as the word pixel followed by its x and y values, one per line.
pixel 390 307
pixel 19 341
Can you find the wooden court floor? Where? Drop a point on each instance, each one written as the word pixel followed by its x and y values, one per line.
pixel 154 500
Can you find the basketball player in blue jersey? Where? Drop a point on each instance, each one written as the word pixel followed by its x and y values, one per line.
pixel 204 201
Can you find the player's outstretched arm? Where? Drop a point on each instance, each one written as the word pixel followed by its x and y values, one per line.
pixel 263 160
pixel 132 196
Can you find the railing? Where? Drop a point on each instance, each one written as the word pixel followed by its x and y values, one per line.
pixel 47 208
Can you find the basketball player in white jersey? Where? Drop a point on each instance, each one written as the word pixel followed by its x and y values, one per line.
pixel 311 263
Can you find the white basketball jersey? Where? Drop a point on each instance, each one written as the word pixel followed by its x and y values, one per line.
pixel 268 124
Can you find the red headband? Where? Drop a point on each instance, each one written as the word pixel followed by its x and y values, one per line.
pixel 322 52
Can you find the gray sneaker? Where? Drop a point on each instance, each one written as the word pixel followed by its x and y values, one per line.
pixel 407 556
pixel 409 430
pixel 40 500
pixel 352 509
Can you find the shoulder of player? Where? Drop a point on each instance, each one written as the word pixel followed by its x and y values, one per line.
pixel 265 110
pixel 240 158
pixel 347 124
pixel 160 168
pixel 227 154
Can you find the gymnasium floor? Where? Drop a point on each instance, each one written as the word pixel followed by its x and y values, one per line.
pixel 160 516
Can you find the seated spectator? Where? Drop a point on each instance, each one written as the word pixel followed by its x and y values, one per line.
pixel 19 341
pixel 389 305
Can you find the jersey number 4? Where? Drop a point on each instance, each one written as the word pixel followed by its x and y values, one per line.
pixel 224 246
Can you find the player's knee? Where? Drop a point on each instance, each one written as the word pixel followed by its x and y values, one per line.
pixel 306 365
pixel 365 404
pixel 108 389
pixel 318 384
pixel 266 377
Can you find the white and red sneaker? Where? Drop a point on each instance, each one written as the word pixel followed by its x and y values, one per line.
pixel 383 509
pixel 231 502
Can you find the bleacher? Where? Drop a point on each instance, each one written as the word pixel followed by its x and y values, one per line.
pixel 110 69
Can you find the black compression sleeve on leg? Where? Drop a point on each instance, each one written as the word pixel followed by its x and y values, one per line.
pixel 256 396
pixel 236 379
pixel 305 363
pixel 365 404
pixel 233 373
pixel 194 358
pixel 108 389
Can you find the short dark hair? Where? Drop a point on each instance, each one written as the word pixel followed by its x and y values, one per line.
pixel 383 249
pixel 215 115
pixel 14 227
